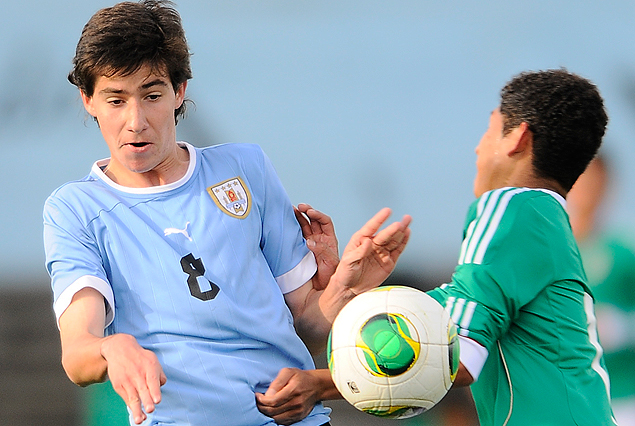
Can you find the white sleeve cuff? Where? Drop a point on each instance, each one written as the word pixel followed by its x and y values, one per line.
pixel 65 299
pixel 473 356
pixel 299 275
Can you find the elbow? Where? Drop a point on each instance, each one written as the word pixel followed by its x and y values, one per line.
pixel 315 349
pixel 313 336
pixel 72 373
pixel 463 377
pixel 76 374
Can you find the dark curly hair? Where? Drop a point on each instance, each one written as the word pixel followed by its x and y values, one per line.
pixel 566 116
pixel 119 40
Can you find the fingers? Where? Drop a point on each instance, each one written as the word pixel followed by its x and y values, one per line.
pixel 319 222
pixel 135 373
pixel 372 226
pixel 303 221
pixel 280 381
pixel 131 397
pixel 398 250
pixel 356 253
pixel 289 398
pixel 141 397
pixel 370 256
pixel 394 234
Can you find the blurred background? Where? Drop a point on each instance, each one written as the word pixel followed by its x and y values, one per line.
pixel 360 105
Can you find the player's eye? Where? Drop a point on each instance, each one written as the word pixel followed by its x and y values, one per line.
pixel 154 96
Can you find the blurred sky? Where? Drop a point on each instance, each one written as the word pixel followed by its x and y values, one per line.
pixel 359 104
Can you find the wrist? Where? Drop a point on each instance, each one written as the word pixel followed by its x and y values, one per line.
pixel 334 298
pixel 112 342
pixel 328 391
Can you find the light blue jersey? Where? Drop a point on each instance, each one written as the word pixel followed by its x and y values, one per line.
pixel 196 271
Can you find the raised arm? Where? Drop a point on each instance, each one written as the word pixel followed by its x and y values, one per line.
pixel 89 357
pixel 368 259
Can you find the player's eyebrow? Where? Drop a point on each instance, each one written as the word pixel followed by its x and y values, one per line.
pixel 145 86
pixel 157 82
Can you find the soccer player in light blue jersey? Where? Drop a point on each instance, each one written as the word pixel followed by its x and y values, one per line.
pixel 181 274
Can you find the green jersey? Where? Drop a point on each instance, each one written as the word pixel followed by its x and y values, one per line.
pixel 520 291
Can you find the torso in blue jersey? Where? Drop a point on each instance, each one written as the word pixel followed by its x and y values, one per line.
pixel 196 271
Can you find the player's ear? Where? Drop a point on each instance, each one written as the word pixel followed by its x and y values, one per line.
pixel 88 103
pixel 521 139
pixel 180 94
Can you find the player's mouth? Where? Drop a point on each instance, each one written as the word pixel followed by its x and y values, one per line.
pixel 137 145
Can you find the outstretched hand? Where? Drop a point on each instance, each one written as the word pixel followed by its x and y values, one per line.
pixel 317 229
pixel 370 256
pixel 368 259
pixel 135 374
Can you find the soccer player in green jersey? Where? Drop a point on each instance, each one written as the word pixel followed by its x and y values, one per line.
pixel 519 295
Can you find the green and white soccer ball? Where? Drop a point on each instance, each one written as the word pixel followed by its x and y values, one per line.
pixel 393 352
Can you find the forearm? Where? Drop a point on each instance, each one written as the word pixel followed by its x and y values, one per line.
pixel 323 306
pixel 82 360
pixel 88 356
pixel 313 323
pixel 327 389
pixel 82 336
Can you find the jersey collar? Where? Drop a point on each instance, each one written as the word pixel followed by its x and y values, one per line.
pixel 99 165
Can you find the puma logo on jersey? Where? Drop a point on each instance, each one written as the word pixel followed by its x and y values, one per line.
pixel 184 232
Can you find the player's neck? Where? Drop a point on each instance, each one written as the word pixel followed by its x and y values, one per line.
pixel 540 184
pixel 168 171
pixel 524 176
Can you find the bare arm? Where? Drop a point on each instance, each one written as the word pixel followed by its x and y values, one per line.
pixel 368 259
pixel 81 334
pixel 463 377
pixel 89 357
pixel 294 392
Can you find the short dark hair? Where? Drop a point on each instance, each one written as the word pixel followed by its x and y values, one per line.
pixel 121 39
pixel 566 116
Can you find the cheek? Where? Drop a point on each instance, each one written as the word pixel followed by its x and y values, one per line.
pixel 483 174
pixel 109 126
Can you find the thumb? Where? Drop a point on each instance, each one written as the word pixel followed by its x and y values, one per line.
pixel 279 382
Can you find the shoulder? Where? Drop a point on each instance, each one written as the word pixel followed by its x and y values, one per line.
pixel 508 214
pixel 73 191
pixel 237 150
pixel 507 204
pixel 241 159
pixel 81 200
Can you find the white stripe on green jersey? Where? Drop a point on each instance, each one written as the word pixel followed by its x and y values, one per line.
pixel 486 223
pixel 595 341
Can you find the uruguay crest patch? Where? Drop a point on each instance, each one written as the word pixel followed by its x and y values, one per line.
pixel 232 196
